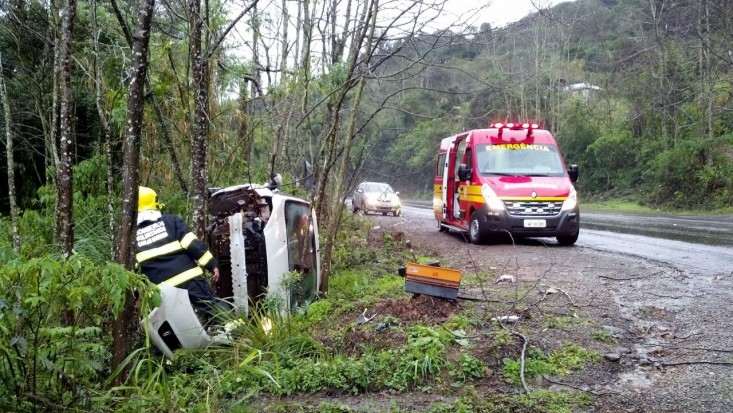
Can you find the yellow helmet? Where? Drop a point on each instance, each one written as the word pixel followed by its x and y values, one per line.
pixel 147 199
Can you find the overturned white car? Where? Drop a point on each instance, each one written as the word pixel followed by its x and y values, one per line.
pixel 266 243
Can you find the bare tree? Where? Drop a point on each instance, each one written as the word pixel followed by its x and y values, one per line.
pixel 167 140
pixel 103 120
pixel 130 171
pixel 201 53
pixel 65 173
pixel 199 140
pixel 10 159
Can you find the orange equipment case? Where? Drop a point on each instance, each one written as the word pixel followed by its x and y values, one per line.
pixel 431 280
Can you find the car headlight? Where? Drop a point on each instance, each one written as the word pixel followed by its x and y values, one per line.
pixel 492 201
pixel 572 200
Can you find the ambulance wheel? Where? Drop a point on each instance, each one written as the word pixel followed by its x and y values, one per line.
pixel 474 230
pixel 441 227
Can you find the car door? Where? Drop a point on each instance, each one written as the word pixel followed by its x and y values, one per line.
pixel 356 198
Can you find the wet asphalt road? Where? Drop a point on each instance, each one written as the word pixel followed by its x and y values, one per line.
pixel 698 244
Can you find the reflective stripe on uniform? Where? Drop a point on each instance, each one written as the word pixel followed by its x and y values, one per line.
pixel 188 239
pixel 183 277
pixel 162 250
pixel 205 259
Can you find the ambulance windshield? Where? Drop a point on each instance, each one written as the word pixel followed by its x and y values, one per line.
pixel 518 159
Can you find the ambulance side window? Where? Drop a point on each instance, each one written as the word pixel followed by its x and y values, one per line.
pixel 468 159
pixel 440 166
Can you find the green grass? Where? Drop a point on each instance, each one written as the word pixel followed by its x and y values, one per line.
pixel 560 362
pixel 631 207
pixel 618 206
pixel 603 336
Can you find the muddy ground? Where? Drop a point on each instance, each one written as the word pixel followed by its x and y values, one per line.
pixel 664 335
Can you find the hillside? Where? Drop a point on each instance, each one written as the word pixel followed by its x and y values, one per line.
pixel 624 87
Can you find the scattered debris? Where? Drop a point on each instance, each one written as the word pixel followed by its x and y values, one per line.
pixel 506 277
pixel 506 319
pixel 381 326
pixel 363 319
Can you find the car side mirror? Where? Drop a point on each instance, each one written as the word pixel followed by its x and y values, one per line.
pixel 464 172
pixel 573 173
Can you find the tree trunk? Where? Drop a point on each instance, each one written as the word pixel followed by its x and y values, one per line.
pixel 10 160
pixel 167 140
pixel 105 125
pixel 330 150
pixel 199 140
pixel 65 172
pixel 126 321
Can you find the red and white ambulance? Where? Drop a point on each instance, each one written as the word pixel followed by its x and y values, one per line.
pixel 508 179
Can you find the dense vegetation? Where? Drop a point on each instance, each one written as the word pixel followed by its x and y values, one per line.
pixel 656 126
pixel 654 122
pixel 638 94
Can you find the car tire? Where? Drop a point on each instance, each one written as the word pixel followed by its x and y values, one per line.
pixel 568 240
pixel 354 209
pixel 474 230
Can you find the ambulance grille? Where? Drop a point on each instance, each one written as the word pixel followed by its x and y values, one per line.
pixel 533 208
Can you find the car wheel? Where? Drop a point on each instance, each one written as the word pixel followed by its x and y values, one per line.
pixel 568 240
pixel 474 230
pixel 354 209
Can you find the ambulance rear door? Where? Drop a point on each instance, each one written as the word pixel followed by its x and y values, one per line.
pixel 450 175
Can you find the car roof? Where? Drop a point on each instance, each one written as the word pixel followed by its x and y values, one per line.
pixel 375 183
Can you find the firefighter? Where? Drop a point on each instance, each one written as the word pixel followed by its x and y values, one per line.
pixel 168 253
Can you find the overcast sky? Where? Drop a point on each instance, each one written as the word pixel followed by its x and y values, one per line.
pixel 498 13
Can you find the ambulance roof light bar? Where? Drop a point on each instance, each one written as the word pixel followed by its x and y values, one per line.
pixel 515 126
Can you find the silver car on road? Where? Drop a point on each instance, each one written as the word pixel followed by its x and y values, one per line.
pixel 376 197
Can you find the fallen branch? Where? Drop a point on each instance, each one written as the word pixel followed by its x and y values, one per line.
pixel 521 360
pixel 713 350
pixel 674 297
pixel 622 279
pixel 632 278
pixel 578 388
pixel 479 299
pixel 685 363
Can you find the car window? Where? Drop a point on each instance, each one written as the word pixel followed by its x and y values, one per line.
pixel 378 188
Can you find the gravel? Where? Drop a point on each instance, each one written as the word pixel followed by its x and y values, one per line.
pixel 663 333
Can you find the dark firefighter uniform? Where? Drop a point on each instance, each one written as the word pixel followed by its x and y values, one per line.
pixel 168 253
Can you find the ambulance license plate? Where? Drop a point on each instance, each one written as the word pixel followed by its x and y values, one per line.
pixel 535 223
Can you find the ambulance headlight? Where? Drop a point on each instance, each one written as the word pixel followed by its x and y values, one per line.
pixel 492 201
pixel 572 201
